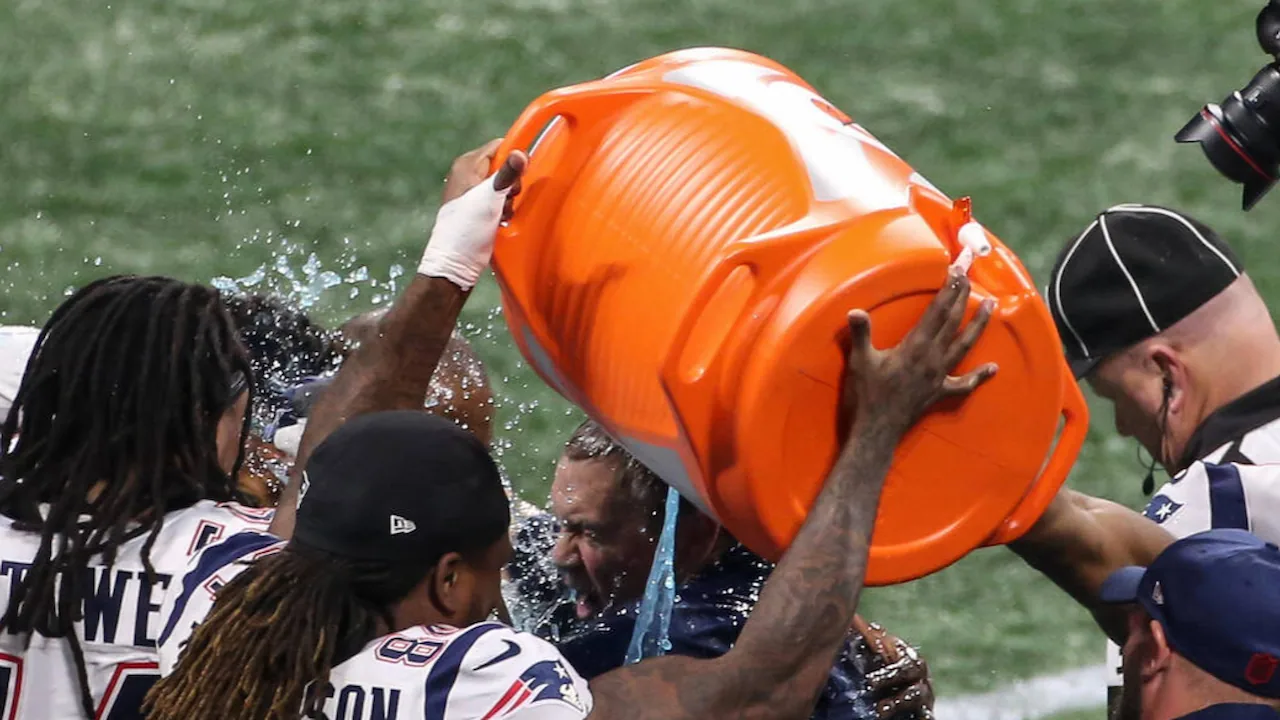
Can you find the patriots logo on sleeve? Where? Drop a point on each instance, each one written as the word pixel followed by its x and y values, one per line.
pixel 1161 508
pixel 546 680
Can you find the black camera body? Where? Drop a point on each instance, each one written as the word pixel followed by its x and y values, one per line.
pixel 1241 136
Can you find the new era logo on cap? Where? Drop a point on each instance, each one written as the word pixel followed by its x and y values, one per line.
pixel 401 526
pixel 1135 271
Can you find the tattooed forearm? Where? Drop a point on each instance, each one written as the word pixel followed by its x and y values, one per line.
pixel 389 371
pixel 787 648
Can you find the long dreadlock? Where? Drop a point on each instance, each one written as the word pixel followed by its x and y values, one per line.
pixel 275 632
pixel 114 425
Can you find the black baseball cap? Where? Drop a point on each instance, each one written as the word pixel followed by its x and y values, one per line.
pixel 1134 271
pixel 403 486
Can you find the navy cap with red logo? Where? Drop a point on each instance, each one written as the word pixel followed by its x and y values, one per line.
pixel 1217 596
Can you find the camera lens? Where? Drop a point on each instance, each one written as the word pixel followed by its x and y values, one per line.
pixel 1240 136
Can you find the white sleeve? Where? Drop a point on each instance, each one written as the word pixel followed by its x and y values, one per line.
pixel 509 674
pixel 1261 485
pixel 1220 495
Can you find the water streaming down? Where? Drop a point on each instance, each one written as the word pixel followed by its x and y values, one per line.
pixel 652 634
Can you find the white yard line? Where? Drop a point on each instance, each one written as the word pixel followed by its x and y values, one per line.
pixel 1039 697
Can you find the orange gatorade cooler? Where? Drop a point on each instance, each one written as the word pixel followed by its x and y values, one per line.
pixel 693 232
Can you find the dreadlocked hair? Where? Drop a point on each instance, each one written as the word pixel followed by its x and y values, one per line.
pixel 285 347
pixel 275 632
pixel 114 424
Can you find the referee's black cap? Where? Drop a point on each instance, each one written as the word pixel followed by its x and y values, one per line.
pixel 405 487
pixel 1134 271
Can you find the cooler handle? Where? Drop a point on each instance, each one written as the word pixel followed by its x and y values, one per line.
pixel 775 249
pixel 1076 426
pixel 567 103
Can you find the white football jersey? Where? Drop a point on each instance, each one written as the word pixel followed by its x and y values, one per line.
pixel 482 672
pixel 122 619
pixel 1239 487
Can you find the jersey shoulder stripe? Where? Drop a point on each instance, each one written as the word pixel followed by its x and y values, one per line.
pixel 1227 507
pixel 210 560
pixel 444 673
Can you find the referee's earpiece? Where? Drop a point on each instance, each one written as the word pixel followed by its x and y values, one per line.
pixel 1149 482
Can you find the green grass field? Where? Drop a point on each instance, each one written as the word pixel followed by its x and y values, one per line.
pixel 214 138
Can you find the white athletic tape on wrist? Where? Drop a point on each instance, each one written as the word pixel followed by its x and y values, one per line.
pixel 461 242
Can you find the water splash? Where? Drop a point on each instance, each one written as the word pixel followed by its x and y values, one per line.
pixel 302 287
pixel 651 636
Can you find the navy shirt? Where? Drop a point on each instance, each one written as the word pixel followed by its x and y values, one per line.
pixel 708 614
pixel 1234 711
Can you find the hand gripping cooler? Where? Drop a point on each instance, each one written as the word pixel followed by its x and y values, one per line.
pixel 693 232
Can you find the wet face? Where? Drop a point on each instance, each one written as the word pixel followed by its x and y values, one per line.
pixel 1136 392
pixel 606 542
pixel 229 427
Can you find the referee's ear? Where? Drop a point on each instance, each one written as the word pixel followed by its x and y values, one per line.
pixel 1174 378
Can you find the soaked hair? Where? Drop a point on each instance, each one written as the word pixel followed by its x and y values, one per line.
pixel 642 485
pixel 285 347
pixel 275 633
pixel 114 425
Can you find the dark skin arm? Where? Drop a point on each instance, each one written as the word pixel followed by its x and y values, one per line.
pixel 785 652
pixel 392 370
pixel 1080 540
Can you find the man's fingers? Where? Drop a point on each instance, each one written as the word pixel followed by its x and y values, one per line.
pixel 967 383
pixel 955 312
pixel 876 639
pixel 954 292
pixel 901 673
pixel 511 170
pixel 486 151
pixel 859 334
pixel 918 699
pixel 969 337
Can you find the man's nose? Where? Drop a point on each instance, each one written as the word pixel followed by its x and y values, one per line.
pixel 565 552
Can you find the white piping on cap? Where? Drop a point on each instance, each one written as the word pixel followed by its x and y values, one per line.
pixel 1057 288
pixel 1106 235
pixel 1134 207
